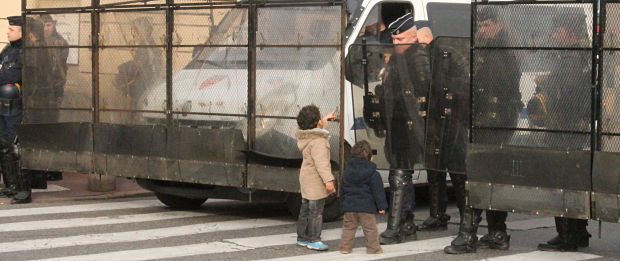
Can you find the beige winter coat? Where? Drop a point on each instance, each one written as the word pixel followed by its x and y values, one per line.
pixel 316 169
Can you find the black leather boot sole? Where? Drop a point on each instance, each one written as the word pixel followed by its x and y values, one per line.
pixel 458 250
pixel 433 224
pixel 557 247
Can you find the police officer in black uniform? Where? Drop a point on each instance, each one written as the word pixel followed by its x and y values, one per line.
pixel 406 81
pixel 565 93
pixel 498 103
pixel 17 182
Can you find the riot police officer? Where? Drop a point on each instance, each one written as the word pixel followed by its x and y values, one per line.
pixel 17 182
pixel 406 81
pixel 565 91
pixel 499 104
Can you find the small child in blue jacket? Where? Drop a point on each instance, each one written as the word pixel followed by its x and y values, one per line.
pixel 362 197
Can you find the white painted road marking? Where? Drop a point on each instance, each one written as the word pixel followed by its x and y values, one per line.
pixel 138 235
pixel 359 254
pixel 80 208
pixel 97 221
pixel 237 244
pixel 157 253
pixel 545 256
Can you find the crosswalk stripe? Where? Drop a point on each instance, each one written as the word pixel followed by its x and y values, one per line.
pixel 291 238
pixel 97 221
pixel 227 245
pixel 138 235
pixel 157 253
pixel 80 208
pixel 546 256
pixel 359 254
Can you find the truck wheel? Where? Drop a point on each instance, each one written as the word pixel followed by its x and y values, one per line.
pixel 180 202
pixel 331 211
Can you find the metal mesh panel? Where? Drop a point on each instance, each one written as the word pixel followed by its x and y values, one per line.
pixel 610 89
pixel 51 83
pixel 133 28
pixel 57 116
pixel 554 86
pixel 132 79
pixel 610 93
pixel 59 30
pixel 210 122
pixel 290 78
pixel 305 25
pixel 610 143
pixel 214 81
pixel 132 118
pixel 537 139
pixel 125 2
pixel 277 137
pixel 211 27
pixel 612 25
pixel 35 4
pixel 533 25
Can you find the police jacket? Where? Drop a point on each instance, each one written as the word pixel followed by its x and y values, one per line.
pixel 11 64
pixel 497 99
pixel 407 83
pixel 449 103
pixel 362 188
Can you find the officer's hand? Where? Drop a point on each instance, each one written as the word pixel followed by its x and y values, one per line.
pixel 382 212
pixel 330 187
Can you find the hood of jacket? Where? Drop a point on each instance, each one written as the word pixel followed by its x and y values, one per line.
pixel 304 137
pixel 359 171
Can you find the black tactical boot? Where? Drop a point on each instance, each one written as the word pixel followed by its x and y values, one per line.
pixel 54 175
pixel 24 190
pixel 22 197
pixel 564 242
pixel 6 192
pixel 466 240
pixel 8 174
pixel 495 240
pixel 435 223
pixel 38 179
pixel 408 228
pixel 438 220
pixel 584 240
pixel 398 217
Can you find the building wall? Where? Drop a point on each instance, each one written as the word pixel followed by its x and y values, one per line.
pixel 9 8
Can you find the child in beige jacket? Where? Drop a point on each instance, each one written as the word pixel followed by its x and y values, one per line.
pixel 315 176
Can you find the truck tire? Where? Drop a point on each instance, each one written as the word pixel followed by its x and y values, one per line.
pixel 331 211
pixel 177 202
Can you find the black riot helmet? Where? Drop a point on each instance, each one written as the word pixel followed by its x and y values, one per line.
pixel 10 99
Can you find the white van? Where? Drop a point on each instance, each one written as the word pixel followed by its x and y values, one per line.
pixel 215 82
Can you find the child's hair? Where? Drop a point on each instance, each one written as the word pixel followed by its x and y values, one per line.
pixel 308 117
pixel 362 150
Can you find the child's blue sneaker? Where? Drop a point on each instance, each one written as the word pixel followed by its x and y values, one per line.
pixel 302 243
pixel 318 246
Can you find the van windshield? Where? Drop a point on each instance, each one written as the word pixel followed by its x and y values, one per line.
pixel 278 42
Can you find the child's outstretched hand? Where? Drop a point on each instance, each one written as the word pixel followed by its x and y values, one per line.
pixel 330 116
pixel 382 212
pixel 329 186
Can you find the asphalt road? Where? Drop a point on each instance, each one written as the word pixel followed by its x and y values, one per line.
pixel 143 229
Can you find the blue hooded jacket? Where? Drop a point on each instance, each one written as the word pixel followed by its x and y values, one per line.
pixel 362 187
